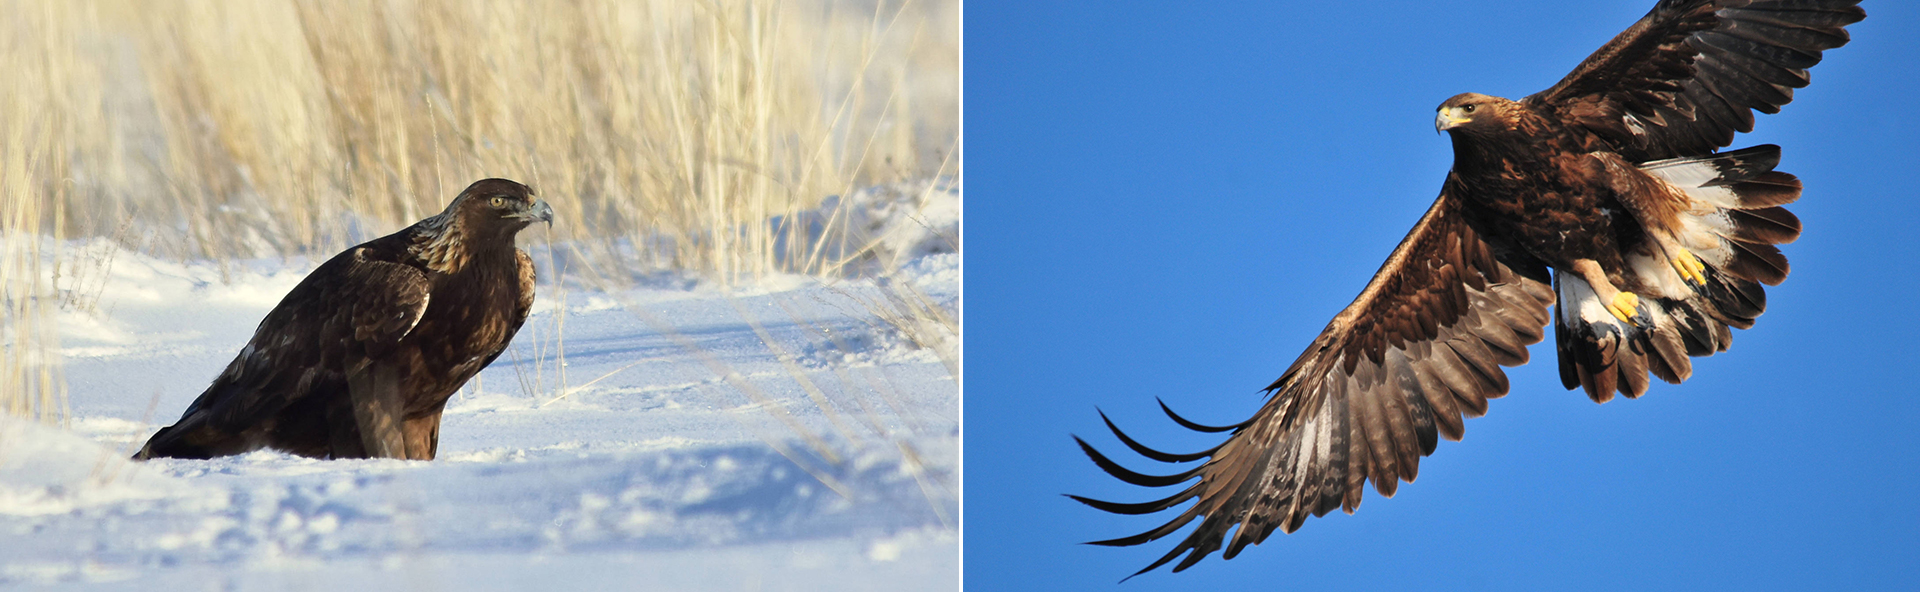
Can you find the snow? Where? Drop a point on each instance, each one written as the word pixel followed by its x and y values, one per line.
pixel 795 434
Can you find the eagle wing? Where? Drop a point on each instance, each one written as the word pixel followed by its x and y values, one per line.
pixel 351 310
pixel 1687 76
pixel 1421 346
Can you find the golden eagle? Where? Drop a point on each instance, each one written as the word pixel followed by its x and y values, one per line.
pixel 1603 193
pixel 359 359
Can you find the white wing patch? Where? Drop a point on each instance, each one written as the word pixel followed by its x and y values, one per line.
pixel 1704 224
pixel 418 314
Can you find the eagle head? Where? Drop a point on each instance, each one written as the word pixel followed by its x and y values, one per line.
pixel 501 205
pixel 488 214
pixel 1471 111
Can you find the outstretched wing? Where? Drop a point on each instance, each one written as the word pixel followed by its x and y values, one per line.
pixel 1687 76
pixel 1419 348
pixel 353 308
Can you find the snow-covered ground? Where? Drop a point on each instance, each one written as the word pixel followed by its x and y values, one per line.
pixel 670 436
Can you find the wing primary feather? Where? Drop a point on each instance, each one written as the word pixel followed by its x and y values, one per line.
pixel 1761 96
pixel 1195 426
pixel 1828 21
pixel 1280 486
pixel 1129 476
pixel 1152 535
pixel 1808 40
pixel 1752 66
pixel 1139 507
pixel 1143 450
pixel 1201 549
pixel 1419 348
pixel 1727 117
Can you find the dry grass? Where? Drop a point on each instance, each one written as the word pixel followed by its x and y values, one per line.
pixel 36 112
pixel 252 128
pixel 666 134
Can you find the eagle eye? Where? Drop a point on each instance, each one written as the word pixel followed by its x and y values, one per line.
pixel 499 202
pixel 1468 108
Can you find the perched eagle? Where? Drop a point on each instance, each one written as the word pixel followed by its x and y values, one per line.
pixel 1604 194
pixel 359 359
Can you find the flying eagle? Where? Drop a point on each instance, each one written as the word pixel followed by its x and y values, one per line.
pixel 1604 194
pixel 359 359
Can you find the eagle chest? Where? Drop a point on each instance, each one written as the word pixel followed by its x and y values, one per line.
pixel 479 311
pixel 1555 207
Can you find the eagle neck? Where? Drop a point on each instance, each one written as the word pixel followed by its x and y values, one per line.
pixel 453 240
pixel 441 243
pixel 1474 157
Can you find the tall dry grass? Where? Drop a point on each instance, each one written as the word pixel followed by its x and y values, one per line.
pixel 666 133
pixel 49 96
pixel 253 128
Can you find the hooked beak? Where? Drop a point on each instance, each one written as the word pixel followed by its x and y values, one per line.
pixel 1446 119
pixel 539 211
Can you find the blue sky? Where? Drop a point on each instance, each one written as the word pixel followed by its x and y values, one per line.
pixel 1171 199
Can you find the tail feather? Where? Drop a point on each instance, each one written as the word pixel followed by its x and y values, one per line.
pixel 1669 350
pixel 1731 222
pixel 1767 189
pixel 1696 330
pixel 1598 352
pixel 194 436
pixel 1603 355
pixel 1771 226
pixel 1632 370
pixel 1737 301
pixel 174 442
pixel 1666 369
pixel 1756 262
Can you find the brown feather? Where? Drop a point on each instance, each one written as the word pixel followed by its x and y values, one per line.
pixel 1757 262
pixel 1771 226
pixel 1695 71
pixel 1632 371
pixel 1550 182
pixel 360 357
pixel 1439 397
pixel 1772 188
pixel 1373 395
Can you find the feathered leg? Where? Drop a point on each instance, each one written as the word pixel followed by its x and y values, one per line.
pixel 423 436
pixel 375 396
pixel 1624 305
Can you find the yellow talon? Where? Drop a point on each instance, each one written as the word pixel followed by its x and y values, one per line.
pixel 1690 267
pixel 1624 306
